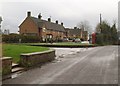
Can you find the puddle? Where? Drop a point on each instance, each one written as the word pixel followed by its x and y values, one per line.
pixel 55 61
pixel 12 76
pixel 15 75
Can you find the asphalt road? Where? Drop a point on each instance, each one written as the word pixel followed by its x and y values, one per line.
pixel 95 66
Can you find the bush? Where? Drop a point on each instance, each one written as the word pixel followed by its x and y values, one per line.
pixel 30 39
pixel 12 38
pixel 16 38
pixel 99 39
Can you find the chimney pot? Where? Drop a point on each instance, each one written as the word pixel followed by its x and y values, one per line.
pixel 75 27
pixel 56 21
pixel 39 16
pixel 28 14
pixel 49 19
pixel 62 23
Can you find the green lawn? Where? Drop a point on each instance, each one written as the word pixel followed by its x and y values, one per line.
pixel 12 50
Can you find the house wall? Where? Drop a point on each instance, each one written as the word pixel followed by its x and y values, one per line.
pixel 70 35
pixel 28 27
pixel 55 34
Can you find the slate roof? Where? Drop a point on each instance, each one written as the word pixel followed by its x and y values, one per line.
pixel 48 25
pixel 73 31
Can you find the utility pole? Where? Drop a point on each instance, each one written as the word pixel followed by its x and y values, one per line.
pixel 100 22
pixel 0 21
pixel 0 25
pixel 100 19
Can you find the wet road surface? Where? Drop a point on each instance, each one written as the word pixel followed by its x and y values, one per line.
pixel 97 65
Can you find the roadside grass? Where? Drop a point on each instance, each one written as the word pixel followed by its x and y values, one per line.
pixel 71 43
pixel 64 44
pixel 14 50
pixel 60 43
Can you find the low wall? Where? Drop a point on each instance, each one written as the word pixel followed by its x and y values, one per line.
pixel 34 59
pixel 6 65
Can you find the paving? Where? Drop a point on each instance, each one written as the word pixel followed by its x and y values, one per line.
pixel 97 65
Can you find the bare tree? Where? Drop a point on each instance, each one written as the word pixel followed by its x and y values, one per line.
pixel 84 25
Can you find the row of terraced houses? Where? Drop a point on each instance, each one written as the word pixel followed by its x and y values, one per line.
pixel 47 29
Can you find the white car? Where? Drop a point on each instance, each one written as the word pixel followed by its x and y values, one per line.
pixel 77 40
pixel 65 39
pixel 85 42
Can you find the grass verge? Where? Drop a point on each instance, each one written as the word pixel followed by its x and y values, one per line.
pixel 14 50
pixel 64 44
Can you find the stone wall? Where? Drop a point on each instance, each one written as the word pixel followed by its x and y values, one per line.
pixel 34 59
pixel 6 65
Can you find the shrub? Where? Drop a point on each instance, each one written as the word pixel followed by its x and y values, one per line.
pixel 99 39
pixel 16 38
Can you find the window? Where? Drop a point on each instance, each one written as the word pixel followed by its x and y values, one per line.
pixel 49 36
pixel 44 29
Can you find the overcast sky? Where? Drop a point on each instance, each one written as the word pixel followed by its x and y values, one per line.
pixel 70 12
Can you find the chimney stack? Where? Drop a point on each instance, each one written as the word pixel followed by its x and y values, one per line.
pixel 56 21
pixel 28 14
pixel 62 23
pixel 49 19
pixel 39 16
pixel 75 27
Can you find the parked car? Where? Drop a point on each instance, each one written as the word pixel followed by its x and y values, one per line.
pixel 65 39
pixel 77 40
pixel 70 40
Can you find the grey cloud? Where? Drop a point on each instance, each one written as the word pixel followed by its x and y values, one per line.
pixel 70 12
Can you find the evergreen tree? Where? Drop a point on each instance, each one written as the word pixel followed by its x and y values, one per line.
pixel 108 34
pixel 114 34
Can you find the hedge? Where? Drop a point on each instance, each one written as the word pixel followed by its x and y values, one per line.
pixel 16 38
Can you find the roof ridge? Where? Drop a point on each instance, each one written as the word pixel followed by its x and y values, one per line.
pixel 49 25
pixel 46 21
